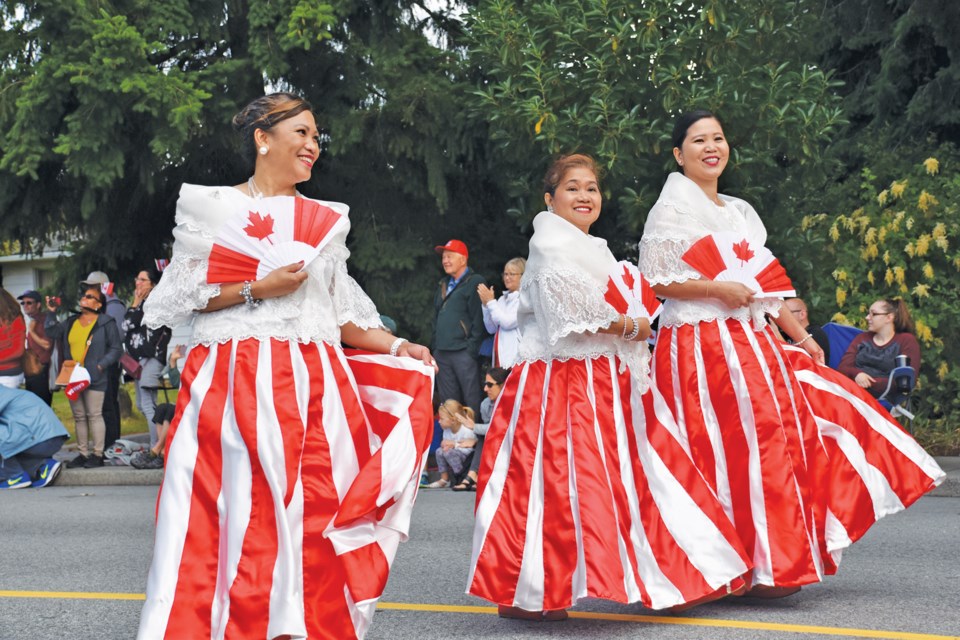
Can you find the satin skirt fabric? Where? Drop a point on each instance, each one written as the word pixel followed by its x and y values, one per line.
pixel 290 477
pixel 584 492
pixel 780 450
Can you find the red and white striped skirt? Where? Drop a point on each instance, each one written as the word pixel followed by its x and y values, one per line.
pixel 584 492
pixel 290 476
pixel 766 433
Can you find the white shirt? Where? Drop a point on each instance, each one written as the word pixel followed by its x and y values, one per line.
pixel 500 317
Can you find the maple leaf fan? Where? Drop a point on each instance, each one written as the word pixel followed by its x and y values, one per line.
pixel 629 292
pixel 732 258
pixel 271 233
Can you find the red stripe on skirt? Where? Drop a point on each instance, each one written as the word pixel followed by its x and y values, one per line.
pixel 325 607
pixel 197 575
pixel 250 590
pixel 599 522
pixel 195 359
pixel 662 368
pixel 287 409
pixel 701 448
pixel 559 535
pixel 351 405
pixel 503 546
pixel 368 569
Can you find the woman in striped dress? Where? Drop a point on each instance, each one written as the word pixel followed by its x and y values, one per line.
pixel 584 491
pixel 802 460
pixel 291 466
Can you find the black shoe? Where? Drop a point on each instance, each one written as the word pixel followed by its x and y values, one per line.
pixel 79 461
pixel 93 462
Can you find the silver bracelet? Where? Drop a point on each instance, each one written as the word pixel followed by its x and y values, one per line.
pixel 636 330
pixel 623 318
pixel 395 347
pixel 808 336
pixel 247 294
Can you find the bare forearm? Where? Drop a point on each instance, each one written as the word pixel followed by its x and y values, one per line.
pixel 376 340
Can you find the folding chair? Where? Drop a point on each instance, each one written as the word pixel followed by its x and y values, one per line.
pixel 840 337
pixel 896 398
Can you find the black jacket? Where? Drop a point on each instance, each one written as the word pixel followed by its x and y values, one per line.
pixel 104 350
pixel 459 316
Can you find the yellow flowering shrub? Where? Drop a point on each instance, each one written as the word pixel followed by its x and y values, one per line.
pixel 909 219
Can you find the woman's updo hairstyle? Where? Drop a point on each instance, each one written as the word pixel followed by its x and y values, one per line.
pixel 902 322
pixel 264 113
pixel 563 164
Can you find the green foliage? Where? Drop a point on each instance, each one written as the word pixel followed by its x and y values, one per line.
pixel 607 77
pixel 895 232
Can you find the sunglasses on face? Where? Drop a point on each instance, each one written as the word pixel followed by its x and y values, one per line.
pixel 487 385
pixel 87 296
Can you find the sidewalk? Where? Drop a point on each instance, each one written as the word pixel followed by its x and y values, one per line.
pixel 124 475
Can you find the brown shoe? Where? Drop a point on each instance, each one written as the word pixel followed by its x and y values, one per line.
pixel 769 592
pixel 554 615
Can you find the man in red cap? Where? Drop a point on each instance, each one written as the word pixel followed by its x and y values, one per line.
pixel 458 328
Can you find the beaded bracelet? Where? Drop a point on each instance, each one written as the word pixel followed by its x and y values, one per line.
pixel 395 347
pixel 623 319
pixel 807 337
pixel 636 330
pixel 246 292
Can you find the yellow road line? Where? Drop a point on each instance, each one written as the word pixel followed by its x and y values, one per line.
pixel 585 615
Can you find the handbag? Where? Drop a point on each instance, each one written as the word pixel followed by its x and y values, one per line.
pixel 30 363
pixel 66 370
pixel 130 365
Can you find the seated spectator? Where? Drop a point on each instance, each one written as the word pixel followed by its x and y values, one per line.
pixel 13 336
pixel 872 355
pixel 172 370
pixel 153 458
pixel 457 444
pixel 30 433
pixel 492 386
pixel 500 315
pixel 799 310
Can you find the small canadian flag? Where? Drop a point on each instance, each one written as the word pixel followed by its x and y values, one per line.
pixel 161 264
pixel 107 288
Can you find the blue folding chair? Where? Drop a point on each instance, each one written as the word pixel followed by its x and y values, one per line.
pixel 840 337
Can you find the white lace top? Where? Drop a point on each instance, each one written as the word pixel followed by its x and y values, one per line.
pixel 682 215
pixel 500 317
pixel 327 299
pixel 561 299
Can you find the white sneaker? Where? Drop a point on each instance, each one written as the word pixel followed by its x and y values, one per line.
pixel 439 484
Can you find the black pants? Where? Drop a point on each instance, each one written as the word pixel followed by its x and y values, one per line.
pixel 111 406
pixel 458 378
pixel 39 384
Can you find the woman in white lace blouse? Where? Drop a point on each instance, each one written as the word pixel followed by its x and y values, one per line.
pixel 270 455
pixel 577 459
pixel 760 418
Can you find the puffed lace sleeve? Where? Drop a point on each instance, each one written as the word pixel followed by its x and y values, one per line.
pixel 183 288
pixel 662 247
pixel 567 301
pixel 351 303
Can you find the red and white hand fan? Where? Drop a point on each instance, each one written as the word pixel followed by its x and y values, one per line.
pixel 730 257
pixel 272 233
pixel 629 292
pixel 79 381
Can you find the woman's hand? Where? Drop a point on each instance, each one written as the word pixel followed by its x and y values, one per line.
pixel 465 421
pixel 485 293
pixel 811 347
pixel 418 351
pixel 279 282
pixel 732 294
pixel 864 380
pixel 53 303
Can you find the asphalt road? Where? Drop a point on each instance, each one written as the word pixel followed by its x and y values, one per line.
pixel 901 581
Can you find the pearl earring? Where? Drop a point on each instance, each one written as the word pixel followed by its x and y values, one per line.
pixel 263 151
pixel 550 208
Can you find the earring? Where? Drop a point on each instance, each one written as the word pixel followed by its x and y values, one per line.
pixel 263 150
pixel 550 208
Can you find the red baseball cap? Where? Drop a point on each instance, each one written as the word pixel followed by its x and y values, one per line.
pixel 453 245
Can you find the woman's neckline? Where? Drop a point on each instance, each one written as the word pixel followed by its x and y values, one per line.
pixel 884 342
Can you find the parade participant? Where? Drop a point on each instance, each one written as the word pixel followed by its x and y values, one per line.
pixel 583 491
pixel 279 513
pixel 742 412
pixel 500 314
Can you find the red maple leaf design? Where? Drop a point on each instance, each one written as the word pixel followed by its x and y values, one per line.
pixel 628 278
pixel 742 250
pixel 260 226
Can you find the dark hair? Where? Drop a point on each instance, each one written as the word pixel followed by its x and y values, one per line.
pixel 152 273
pixel 101 297
pixel 9 307
pixel 264 113
pixel 685 121
pixel 498 374
pixel 560 166
pixel 902 322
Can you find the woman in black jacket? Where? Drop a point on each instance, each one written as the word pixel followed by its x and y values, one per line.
pixel 147 346
pixel 92 339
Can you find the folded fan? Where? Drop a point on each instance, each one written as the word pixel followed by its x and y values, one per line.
pixel 275 232
pixel 629 292
pixel 731 258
